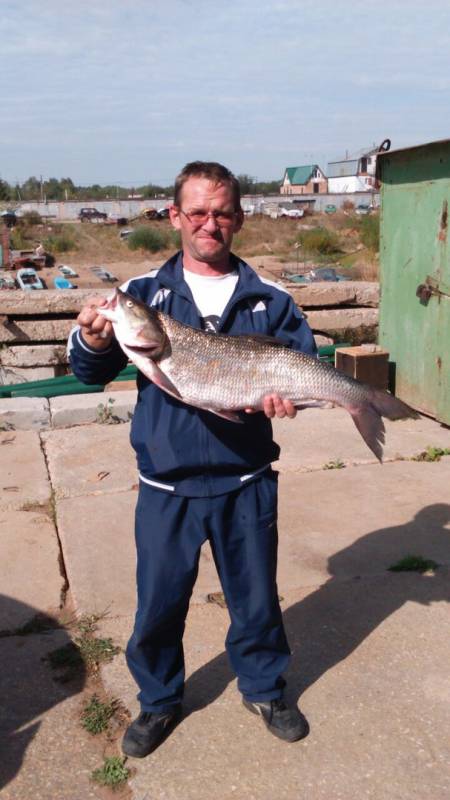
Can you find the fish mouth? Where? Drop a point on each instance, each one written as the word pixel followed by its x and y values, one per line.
pixel 144 349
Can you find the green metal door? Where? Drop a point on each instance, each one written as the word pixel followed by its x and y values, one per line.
pixel 415 274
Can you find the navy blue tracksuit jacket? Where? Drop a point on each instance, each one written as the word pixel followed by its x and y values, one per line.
pixel 203 477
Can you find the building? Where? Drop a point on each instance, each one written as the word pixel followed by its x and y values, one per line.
pixel 308 179
pixel 356 174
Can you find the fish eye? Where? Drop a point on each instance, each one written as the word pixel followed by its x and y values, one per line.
pixel 130 303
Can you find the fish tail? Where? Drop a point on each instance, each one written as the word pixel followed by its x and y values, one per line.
pixel 368 418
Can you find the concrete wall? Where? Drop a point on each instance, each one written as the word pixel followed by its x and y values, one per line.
pixel 70 210
pixel 130 208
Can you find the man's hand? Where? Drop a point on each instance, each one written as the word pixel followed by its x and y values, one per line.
pixel 97 331
pixel 276 406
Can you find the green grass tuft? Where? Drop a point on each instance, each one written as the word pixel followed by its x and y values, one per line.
pixel 85 651
pixel 96 715
pixel 113 773
pixel 336 464
pixel 432 454
pixel 414 564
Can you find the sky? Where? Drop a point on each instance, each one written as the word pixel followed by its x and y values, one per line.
pixel 128 91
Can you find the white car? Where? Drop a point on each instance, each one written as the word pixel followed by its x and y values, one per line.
pixel 294 213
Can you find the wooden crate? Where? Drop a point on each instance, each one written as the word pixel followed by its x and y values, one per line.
pixel 366 363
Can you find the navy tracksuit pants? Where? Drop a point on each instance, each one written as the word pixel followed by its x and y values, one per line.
pixel 242 529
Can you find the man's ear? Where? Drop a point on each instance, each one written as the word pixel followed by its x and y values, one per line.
pixel 239 221
pixel 174 215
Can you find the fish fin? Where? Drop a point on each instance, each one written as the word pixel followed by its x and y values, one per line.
pixel 368 418
pixel 391 407
pixel 164 383
pixel 151 371
pixel 231 416
pixel 371 427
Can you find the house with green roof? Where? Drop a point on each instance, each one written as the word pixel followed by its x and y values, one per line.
pixel 308 179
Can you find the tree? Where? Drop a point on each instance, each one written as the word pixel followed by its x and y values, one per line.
pixel 5 190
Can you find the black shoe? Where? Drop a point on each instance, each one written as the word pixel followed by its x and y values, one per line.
pixel 286 723
pixel 148 731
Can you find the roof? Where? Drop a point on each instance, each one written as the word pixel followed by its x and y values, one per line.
pixel 301 175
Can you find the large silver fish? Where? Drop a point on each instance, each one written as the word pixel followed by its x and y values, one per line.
pixel 224 374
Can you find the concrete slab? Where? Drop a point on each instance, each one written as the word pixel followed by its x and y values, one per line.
pixel 326 529
pixel 81 409
pixel 360 520
pixel 45 753
pixel 97 536
pixel 23 471
pixel 370 663
pixel 319 435
pixel 30 571
pixel 24 413
pixel 90 459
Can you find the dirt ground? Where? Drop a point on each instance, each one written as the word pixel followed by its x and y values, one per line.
pixel 266 244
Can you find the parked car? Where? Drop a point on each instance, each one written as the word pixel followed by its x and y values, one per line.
pixel 91 215
pixel 319 274
pixel 149 213
pixel 116 219
pixel 330 209
pixel 63 283
pixel 27 278
pixel 295 213
pixel 68 272
pixel 162 213
pixel 363 208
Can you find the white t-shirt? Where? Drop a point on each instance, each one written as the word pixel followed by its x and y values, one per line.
pixel 211 294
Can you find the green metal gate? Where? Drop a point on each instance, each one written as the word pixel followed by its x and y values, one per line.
pixel 415 273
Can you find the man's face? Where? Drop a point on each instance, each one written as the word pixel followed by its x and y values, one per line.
pixel 206 240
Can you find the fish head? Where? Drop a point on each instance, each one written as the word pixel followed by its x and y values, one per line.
pixel 136 325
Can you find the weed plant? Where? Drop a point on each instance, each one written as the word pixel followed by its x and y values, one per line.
pixel 96 715
pixel 113 773
pixel 336 464
pixel 60 243
pixel 104 413
pixel 86 651
pixel 369 232
pixel 414 564
pixel 432 454
pixel 319 241
pixel 19 239
pixel 31 218
pixel 151 239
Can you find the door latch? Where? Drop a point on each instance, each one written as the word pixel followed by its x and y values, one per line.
pixel 430 287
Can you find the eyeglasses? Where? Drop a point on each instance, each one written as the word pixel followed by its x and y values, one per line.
pixel 198 218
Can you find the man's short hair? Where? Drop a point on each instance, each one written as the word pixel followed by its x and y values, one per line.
pixel 212 170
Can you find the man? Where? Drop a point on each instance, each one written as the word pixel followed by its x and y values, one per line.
pixel 202 477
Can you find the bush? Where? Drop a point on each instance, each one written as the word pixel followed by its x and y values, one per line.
pixel 60 243
pixel 369 231
pixel 320 240
pixel 18 240
pixel 148 239
pixel 31 218
pixel 348 205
